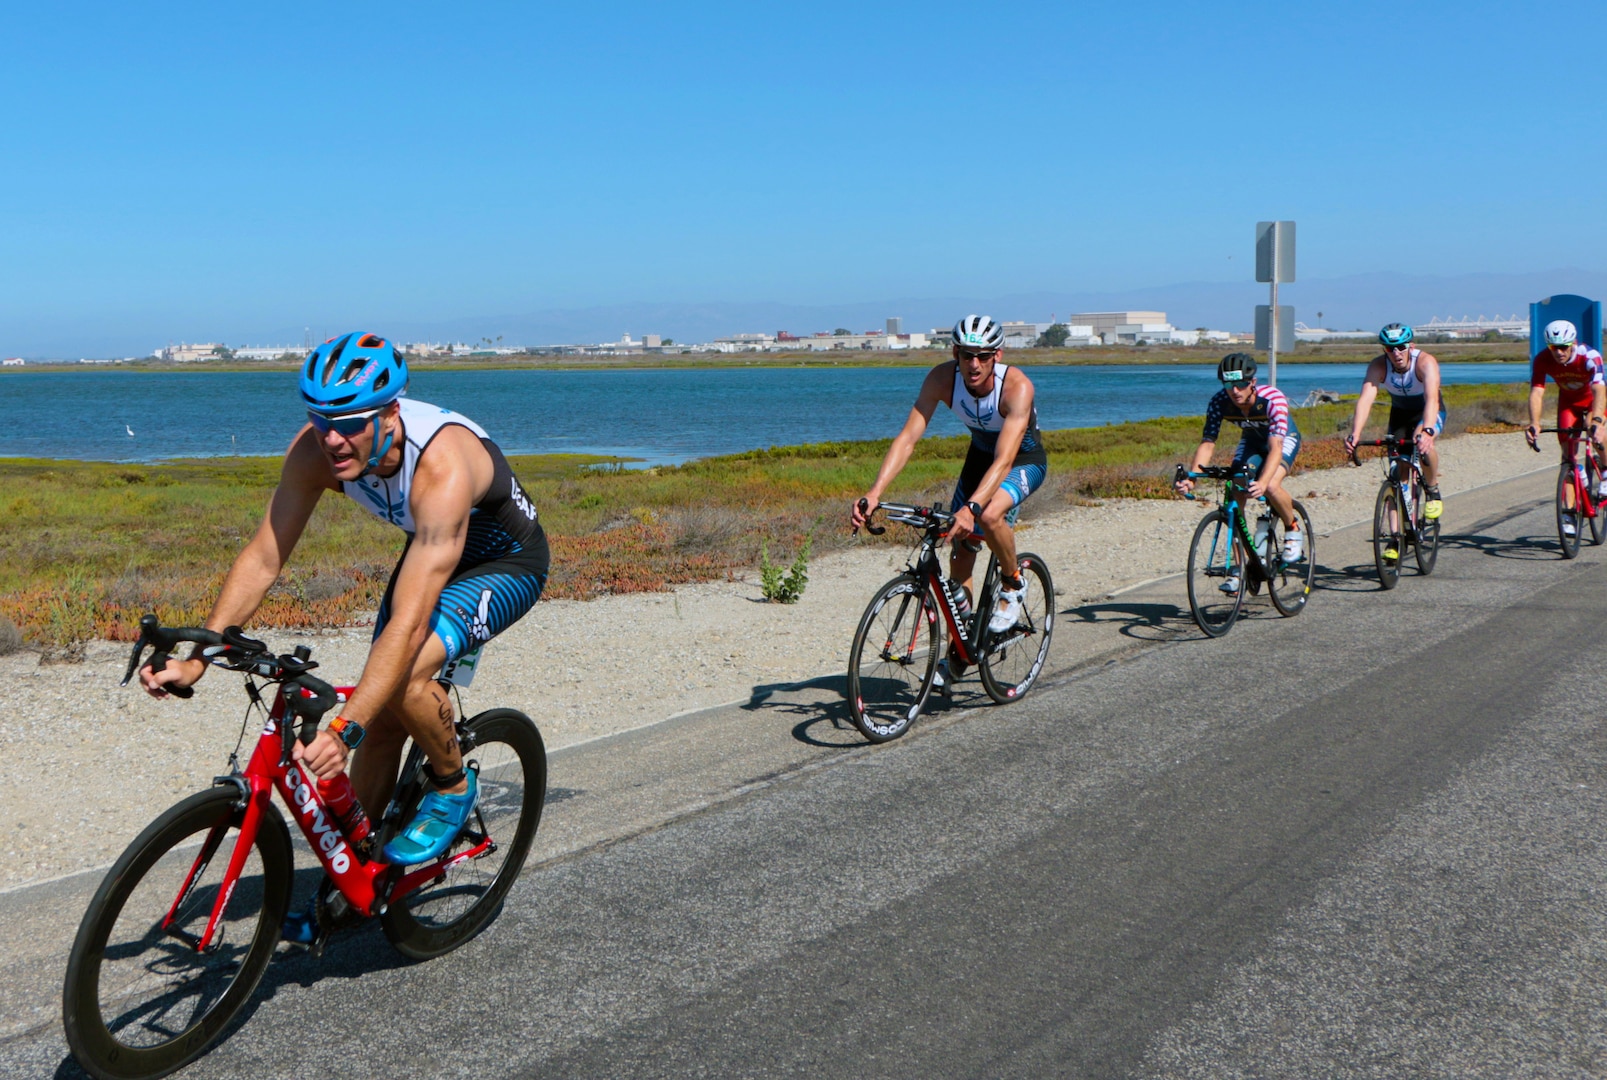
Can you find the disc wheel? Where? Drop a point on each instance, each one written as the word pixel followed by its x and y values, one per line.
pixel 138 999
pixel 505 749
pixel 893 658
pixel 1566 518
pixel 1387 535
pixel 1598 520
pixel 1427 545
pixel 1289 584
pixel 1011 661
pixel 1215 556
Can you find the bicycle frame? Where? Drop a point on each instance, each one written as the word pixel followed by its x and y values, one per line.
pixel 1585 504
pixel 368 884
pixel 1238 524
pixel 1399 462
pixel 928 567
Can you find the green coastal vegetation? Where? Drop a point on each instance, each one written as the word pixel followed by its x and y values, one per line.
pixel 87 547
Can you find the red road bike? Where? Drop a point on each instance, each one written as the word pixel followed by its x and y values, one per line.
pixel 1578 484
pixel 171 947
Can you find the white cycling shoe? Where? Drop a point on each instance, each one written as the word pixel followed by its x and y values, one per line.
pixel 1008 613
pixel 1294 546
pixel 1231 585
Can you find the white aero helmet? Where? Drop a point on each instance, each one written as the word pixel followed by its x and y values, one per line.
pixel 1561 332
pixel 978 332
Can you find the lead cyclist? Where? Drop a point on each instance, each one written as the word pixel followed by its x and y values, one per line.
pixel 475 560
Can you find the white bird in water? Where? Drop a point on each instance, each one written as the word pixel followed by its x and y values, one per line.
pixel 129 430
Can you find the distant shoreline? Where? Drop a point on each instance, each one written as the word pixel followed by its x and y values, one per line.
pixel 1358 352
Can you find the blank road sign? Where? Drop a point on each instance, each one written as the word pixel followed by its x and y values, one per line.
pixel 1286 327
pixel 1275 251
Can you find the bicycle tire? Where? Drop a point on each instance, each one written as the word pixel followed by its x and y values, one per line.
pixel 1387 537
pixel 1289 585
pixel 1011 662
pixel 136 895
pixel 888 690
pixel 1598 520
pixel 511 761
pixel 1426 547
pixel 1565 517
pixel 1215 552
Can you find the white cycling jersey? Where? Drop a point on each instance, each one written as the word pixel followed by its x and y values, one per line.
pixel 390 497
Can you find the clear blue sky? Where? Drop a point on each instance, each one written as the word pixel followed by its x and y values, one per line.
pixel 209 169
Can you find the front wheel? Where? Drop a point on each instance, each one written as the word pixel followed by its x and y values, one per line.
pixel 505 749
pixel 1012 661
pixel 1289 583
pixel 1387 535
pixel 139 1000
pixel 1427 544
pixel 1567 520
pixel 1216 574
pixel 893 659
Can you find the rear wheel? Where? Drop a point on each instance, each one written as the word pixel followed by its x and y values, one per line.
pixel 1598 520
pixel 1427 544
pixel 1011 661
pixel 139 1000
pixel 505 749
pixel 1289 583
pixel 893 659
pixel 1216 558
pixel 1387 535
pixel 1567 520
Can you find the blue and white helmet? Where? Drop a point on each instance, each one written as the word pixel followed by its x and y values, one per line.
pixel 978 332
pixel 1395 335
pixel 352 373
pixel 1561 332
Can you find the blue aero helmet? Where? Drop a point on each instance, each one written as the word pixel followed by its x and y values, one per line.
pixel 354 373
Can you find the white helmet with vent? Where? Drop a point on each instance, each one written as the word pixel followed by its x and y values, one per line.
pixel 1561 332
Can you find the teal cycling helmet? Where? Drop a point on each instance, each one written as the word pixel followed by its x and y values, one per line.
pixel 354 373
pixel 1395 335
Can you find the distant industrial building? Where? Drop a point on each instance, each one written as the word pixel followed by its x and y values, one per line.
pixel 268 352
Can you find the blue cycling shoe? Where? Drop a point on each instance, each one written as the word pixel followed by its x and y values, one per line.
pixel 439 820
pixel 299 928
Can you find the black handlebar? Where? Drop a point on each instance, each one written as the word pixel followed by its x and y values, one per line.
pixel 922 517
pixel 306 696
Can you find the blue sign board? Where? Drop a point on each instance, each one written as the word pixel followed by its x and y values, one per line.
pixel 1583 313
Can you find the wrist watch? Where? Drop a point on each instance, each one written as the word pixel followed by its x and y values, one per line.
pixel 348 732
pixel 976 511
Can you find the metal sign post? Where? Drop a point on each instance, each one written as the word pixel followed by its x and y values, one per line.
pixel 1275 262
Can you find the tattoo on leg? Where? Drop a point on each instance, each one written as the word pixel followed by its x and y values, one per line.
pixel 445 709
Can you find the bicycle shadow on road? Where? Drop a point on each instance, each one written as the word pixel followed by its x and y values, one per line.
pixel 1545 548
pixel 1141 621
pixel 819 704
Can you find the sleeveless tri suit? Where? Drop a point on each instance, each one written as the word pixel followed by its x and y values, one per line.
pixel 984 419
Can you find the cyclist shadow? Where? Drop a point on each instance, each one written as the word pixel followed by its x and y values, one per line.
pixel 1141 621
pixel 1544 548
pixel 820 706
pixel 1356 578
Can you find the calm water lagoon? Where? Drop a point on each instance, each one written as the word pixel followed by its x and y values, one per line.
pixel 660 416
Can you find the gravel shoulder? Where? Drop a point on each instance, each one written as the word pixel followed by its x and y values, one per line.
pixel 89 763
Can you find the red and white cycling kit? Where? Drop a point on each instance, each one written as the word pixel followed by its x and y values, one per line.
pixel 1576 382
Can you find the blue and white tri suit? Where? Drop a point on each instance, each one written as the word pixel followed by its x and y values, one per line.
pixel 984 419
pixel 1408 397
pixel 505 555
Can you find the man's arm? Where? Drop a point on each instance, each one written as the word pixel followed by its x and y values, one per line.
pixel 939 381
pixel 1537 397
pixel 445 489
pixel 1364 402
pixel 302 481
pixel 1428 369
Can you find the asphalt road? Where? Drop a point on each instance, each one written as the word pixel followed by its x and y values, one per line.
pixel 1363 842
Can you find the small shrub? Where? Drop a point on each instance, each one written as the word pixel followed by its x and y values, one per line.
pixel 10 637
pixel 785 588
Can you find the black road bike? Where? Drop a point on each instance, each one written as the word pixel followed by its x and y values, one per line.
pixel 892 664
pixel 1398 518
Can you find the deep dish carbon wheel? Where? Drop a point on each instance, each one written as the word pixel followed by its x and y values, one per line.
pixel 1567 520
pixel 1012 661
pixel 1427 544
pixel 1598 520
pixel 505 749
pixel 138 999
pixel 1216 555
pixel 1387 535
pixel 1289 584
pixel 893 659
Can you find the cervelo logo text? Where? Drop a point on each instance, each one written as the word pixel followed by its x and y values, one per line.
pixel 326 840
pixel 366 374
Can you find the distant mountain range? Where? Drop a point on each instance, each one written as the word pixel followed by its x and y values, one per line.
pixel 1363 301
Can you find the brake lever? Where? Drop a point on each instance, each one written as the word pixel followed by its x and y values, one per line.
pixel 864 508
pixel 1178 477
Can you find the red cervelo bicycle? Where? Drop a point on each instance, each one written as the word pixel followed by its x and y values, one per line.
pixel 1578 484
pixel 173 945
